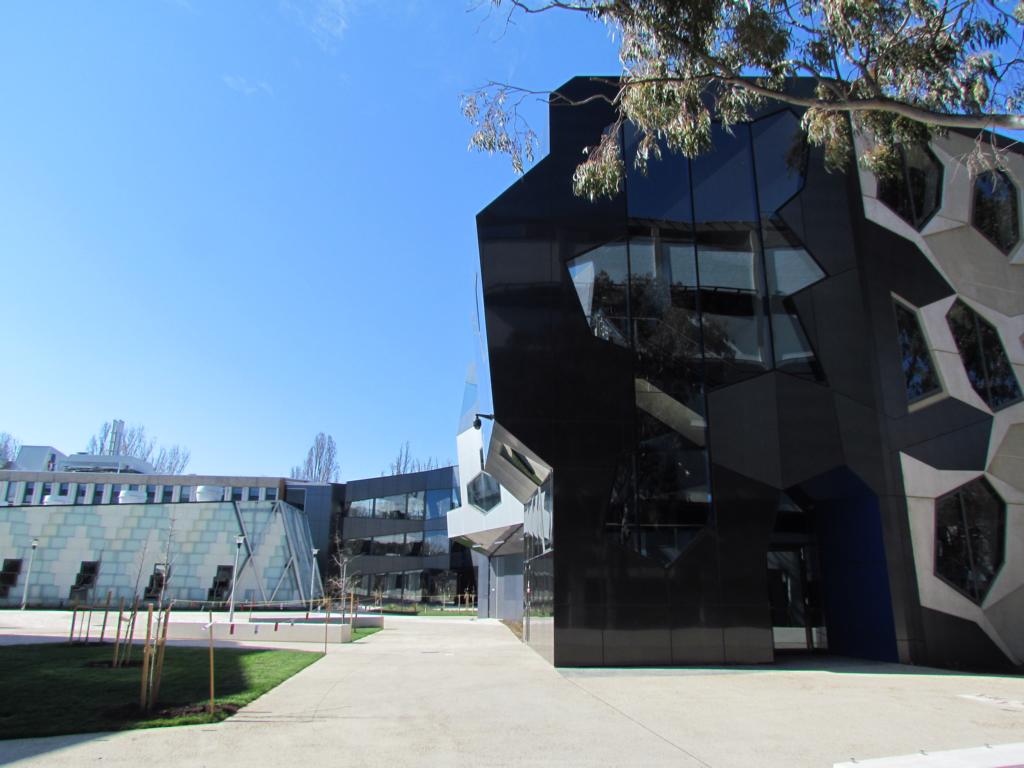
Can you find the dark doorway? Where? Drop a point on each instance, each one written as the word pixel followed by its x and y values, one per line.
pixel 794 594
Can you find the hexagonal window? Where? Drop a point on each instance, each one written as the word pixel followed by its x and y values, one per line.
pixel 983 356
pixel 915 192
pixel 919 372
pixel 483 492
pixel 970 531
pixel 994 212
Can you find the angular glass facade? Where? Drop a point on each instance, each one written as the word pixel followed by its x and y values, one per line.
pixel 393 536
pixel 711 367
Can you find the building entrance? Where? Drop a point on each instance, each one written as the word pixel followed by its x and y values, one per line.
pixel 794 594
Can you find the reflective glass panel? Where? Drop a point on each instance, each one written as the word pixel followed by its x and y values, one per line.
pixel 918 368
pixel 914 192
pixel 361 508
pixel 416 509
pixel 390 507
pixel 438 503
pixel 483 492
pixel 780 155
pixel 983 356
pixel 601 279
pixel 732 317
pixel 435 543
pixel 995 213
pixel 970 528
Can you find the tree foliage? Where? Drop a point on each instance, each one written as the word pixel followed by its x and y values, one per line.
pixel 321 465
pixel 896 70
pixel 165 460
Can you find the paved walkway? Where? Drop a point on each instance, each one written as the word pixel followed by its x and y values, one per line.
pixel 447 691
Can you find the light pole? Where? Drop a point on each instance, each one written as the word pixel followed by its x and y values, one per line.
pixel 234 577
pixel 312 577
pixel 28 573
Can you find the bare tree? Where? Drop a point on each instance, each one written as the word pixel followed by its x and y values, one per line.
pixel 321 463
pixel 404 463
pixel 9 446
pixel 134 441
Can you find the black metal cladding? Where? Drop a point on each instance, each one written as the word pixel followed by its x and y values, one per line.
pixel 713 345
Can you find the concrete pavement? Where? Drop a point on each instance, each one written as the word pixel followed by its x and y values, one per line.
pixel 438 692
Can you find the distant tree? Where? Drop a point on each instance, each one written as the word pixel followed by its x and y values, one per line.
pixel 321 463
pixel 134 442
pixel 9 446
pixel 898 71
pixel 404 463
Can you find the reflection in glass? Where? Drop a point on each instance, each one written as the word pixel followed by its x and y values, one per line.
pixel 390 507
pixel 995 213
pixel 918 368
pixel 983 356
pixel 416 505
pixel 970 527
pixel 914 192
pixel 732 316
pixel 601 279
pixel 483 492
pixel 780 155
pixel 435 543
pixel 361 508
pixel 790 269
pixel 439 502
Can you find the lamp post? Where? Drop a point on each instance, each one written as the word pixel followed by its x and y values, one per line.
pixel 28 574
pixel 312 576
pixel 234 578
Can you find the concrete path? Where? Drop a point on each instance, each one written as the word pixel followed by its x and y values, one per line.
pixel 447 691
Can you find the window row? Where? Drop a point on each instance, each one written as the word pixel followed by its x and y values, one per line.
pixel 407 586
pixel 914 193
pixel 411 544
pixel 418 505
pixel 57 494
pixel 988 368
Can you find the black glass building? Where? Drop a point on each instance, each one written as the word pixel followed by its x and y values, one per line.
pixel 391 534
pixel 719 391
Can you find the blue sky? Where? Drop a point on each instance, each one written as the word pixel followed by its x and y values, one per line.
pixel 242 223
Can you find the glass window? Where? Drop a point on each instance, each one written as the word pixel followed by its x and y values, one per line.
pixel 601 278
pixel 413 544
pixel 970 527
pixel 390 507
pixel 983 356
pixel 361 508
pixel 167 494
pixel 185 493
pixel 438 503
pixel 271 494
pixel 731 310
pixel 115 493
pixel 81 492
pixel 150 494
pixel 918 369
pixel 391 545
pixel 62 489
pixel 914 192
pixel 780 156
pixel 353 547
pixel 789 270
pixel 483 492
pixel 97 493
pixel 236 494
pixel 435 543
pixel 995 213
pixel 47 489
pixel 254 494
pixel 417 505
pixel 11 490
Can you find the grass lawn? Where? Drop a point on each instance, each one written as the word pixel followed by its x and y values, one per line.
pixel 360 633
pixel 50 689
